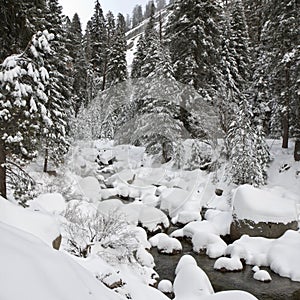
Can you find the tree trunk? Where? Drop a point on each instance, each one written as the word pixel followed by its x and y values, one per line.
pixel 297 150
pixel 286 116
pixel 46 160
pixel 2 170
pixel 285 131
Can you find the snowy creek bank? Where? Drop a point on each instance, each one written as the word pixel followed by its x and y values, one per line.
pixel 279 288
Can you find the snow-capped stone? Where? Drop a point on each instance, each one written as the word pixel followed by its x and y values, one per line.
pixel 262 275
pixel 165 286
pixel 228 264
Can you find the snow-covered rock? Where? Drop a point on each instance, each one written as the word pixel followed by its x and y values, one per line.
pixel 262 275
pixel 165 286
pixel 214 245
pixel 184 261
pixel 230 295
pixel 52 202
pixel 185 217
pixel 165 244
pixel 191 282
pixel 284 256
pixel 221 220
pixel 192 228
pixel 254 250
pixel 262 206
pixel 90 188
pixel 174 200
pixel 228 264
pixel 41 225
pixel 261 213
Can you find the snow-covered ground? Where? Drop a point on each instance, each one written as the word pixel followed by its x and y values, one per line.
pixel 104 213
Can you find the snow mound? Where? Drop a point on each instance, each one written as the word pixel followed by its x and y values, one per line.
pixel 185 217
pixel 173 200
pixel 228 264
pixel 185 260
pixel 284 256
pixel 229 295
pixel 165 286
pixel 191 282
pixel 262 206
pixel 90 188
pixel 214 245
pixel 254 250
pixel 262 275
pixel 192 228
pixel 221 220
pixel 165 244
pixel 52 202
pixel 41 225
pixel 31 270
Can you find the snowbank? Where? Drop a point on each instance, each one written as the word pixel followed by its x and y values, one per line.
pixel 262 206
pixel 31 270
pixel 191 282
pixel 165 244
pixel 52 202
pixel 41 225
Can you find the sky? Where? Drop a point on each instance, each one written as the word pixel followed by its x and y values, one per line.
pixel 85 8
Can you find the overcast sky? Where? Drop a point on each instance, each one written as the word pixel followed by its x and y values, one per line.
pixel 85 8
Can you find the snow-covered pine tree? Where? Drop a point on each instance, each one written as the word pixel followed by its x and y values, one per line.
pixel 245 165
pixel 54 136
pixel 139 56
pixel 98 50
pixel 23 102
pixel 79 68
pixel 137 15
pixel 235 60
pixel 117 65
pixel 277 70
pixel 194 34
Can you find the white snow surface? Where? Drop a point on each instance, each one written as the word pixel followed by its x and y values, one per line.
pixel 165 244
pixel 41 225
pixel 51 202
pixel 230 264
pixel 262 206
pixel 214 245
pixel 281 255
pixel 32 270
pixel 165 286
pixel 191 282
pixel 262 275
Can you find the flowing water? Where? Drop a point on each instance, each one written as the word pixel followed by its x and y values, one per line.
pixel 278 289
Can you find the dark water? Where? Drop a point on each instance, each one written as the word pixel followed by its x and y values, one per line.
pixel 278 289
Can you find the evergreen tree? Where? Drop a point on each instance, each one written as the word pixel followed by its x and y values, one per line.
pixel 137 15
pixel 98 39
pixel 79 68
pixel 245 164
pixel 117 65
pixel 23 102
pixel 194 35
pixel 139 56
pixel 235 60
pixel 58 89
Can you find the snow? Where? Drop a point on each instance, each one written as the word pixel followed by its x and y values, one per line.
pixel 41 225
pixel 185 217
pixel 284 256
pixel 165 286
pixel 53 203
pixel 221 220
pixel 262 206
pixel 229 295
pixel 229 264
pixel 191 282
pixel 90 188
pixel 165 244
pixel 192 228
pixel 214 245
pixel 253 249
pixel 262 275
pixel 32 270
